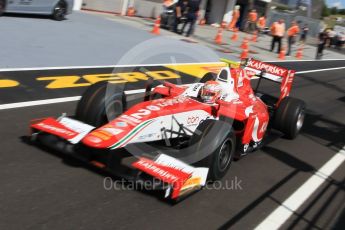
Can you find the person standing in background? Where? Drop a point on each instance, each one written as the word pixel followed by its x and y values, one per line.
pixel 321 45
pixel 261 23
pixel 181 9
pixel 292 33
pixel 277 31
pixel 193 7
pixel 252 19
pixel 330 37
pixel 235 16
pixel 304 33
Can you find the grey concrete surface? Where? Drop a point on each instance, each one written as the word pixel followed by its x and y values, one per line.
pixel 85 39
pixel 102 39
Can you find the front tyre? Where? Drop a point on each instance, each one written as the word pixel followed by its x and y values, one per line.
pixel 101 103
pixel 60 10
pixel 221 135
pixel 289 117
pixel 222 158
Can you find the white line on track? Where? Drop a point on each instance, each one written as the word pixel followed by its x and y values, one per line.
pixel 54 101
pixel 320 70
pixel 313 60
pixel 38 102
pixel 281 214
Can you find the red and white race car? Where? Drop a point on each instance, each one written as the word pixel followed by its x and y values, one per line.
pixel 183 135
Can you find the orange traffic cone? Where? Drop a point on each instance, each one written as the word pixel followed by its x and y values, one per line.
pixel 202 22
pixel 255 37
pixel 281 55
pixel 156 27
pixel 299 54
pixel 131 11
pixel 244 44
pixel 244 54
pixel 234 36
pixel 219 37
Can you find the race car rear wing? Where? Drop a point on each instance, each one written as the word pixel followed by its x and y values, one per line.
pixel 268 71
pixel 274 73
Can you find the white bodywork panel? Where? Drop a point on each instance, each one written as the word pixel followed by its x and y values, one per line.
pixel 154 131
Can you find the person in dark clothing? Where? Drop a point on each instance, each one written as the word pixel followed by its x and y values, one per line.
pixel 277 31
pixel 181 13
pixel 292 33
pixel 321 45
pixel 193 7
pixel 304 33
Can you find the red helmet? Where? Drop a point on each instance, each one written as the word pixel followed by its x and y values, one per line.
pixel 210 92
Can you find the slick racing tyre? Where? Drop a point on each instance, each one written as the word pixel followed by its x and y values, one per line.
pixel 101 103
pixel 220 139
pixel 60 10
pixel 289 117
pixel 208 77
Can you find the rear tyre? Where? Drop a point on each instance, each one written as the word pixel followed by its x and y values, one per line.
pixel 220 159
pixel 289 117
pixel 60 10
pixel 100 104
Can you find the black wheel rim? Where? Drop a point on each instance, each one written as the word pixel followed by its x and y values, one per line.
pixel 224 155
pixel 300 120
pixel 60 12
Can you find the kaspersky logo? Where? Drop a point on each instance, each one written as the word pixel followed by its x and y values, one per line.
pixel 58 130
pixel 269 68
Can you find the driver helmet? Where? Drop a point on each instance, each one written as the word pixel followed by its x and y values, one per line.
pixel 210 92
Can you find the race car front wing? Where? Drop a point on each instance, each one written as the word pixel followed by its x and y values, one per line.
pixel 64 134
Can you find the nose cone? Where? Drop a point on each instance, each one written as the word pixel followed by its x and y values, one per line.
pixel 96 141
pixel 93 141
pixel 103 137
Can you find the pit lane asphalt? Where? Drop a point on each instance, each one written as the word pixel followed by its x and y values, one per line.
pixel 40 190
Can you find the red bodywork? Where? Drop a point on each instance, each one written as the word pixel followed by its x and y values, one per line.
pixel 146 121
pixel 238 103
